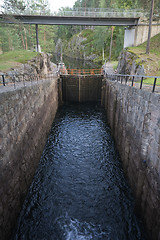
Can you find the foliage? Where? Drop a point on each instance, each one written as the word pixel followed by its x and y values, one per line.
pixel 151 62
pixel 97 39
pixel 19 36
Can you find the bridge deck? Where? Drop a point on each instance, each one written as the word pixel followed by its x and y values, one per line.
pixel 65 20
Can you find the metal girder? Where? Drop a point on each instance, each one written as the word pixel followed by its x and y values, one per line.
pixel 61 20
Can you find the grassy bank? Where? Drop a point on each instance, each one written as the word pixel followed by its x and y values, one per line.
pixel 15 58
pixel 151 61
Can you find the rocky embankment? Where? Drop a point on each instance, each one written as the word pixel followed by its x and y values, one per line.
pixel 135 61
pixel 39 66
pixel 77 48
pixel 130 64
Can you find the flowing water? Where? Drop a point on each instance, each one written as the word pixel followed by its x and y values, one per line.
pixel 79 191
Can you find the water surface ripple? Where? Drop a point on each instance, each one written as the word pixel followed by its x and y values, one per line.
pixel 79 191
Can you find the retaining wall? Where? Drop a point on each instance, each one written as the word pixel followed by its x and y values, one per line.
pixel 134 118
pixel 141 33
pixel 27 116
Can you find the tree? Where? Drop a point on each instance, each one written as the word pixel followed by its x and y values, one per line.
pixel 13 6
pixel 150 27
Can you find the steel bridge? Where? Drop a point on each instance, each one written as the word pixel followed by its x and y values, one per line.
pixel 69 20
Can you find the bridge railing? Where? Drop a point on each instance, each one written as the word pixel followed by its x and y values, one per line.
pixel 20 80
pixel 146 82
pixel 80 12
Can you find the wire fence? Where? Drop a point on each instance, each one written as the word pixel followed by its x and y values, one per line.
pixel 147 82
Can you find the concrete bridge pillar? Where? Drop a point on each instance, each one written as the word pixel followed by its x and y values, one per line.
pixel 38 47
pixel 137 35
pixel 129 37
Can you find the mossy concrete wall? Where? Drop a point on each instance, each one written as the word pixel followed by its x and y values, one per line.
pixel 26 117
pixel 141 33
pixel 134 118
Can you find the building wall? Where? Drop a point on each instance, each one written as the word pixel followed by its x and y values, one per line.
pixel 26 118
pixel 134 118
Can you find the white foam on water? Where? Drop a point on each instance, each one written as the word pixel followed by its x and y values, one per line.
pixel 72 229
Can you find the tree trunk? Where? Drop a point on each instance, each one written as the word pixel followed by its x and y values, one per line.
pixel 44 39
pixel 25 38
pixel 150 28
pixel 20 29
pixel 110 50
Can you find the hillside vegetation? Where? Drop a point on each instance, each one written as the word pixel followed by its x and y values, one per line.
pixel 151 62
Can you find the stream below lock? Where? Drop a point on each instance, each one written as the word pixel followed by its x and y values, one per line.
pixel 79 191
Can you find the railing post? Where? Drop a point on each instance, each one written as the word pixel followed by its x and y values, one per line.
pixel 154 84
pixel 132 81
pixel 14 81
pixel 3 79
pixel 126 79
pixel 141 83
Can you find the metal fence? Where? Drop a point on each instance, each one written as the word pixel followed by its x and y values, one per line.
pixel 89 12
pixel 135 80
pixel 25 80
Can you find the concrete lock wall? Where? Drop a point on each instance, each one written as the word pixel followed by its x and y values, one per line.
pixel 134 118
pixel 27 115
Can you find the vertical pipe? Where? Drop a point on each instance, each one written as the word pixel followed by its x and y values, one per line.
pixel 37 40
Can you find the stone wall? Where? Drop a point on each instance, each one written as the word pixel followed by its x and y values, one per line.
pixel 27 115
pixel 134 118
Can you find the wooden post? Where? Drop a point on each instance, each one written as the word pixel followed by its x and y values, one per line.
pixel 37 40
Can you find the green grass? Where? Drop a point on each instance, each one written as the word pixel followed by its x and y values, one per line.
pixel 115 64
pixel 14 58
pixel 151 61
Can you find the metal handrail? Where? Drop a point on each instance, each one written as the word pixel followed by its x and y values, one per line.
pixel 89 12
pixel 121 77
pixel 8 81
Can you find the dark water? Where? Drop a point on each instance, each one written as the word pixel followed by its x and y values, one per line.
pixel 75 63
pixel 79 191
